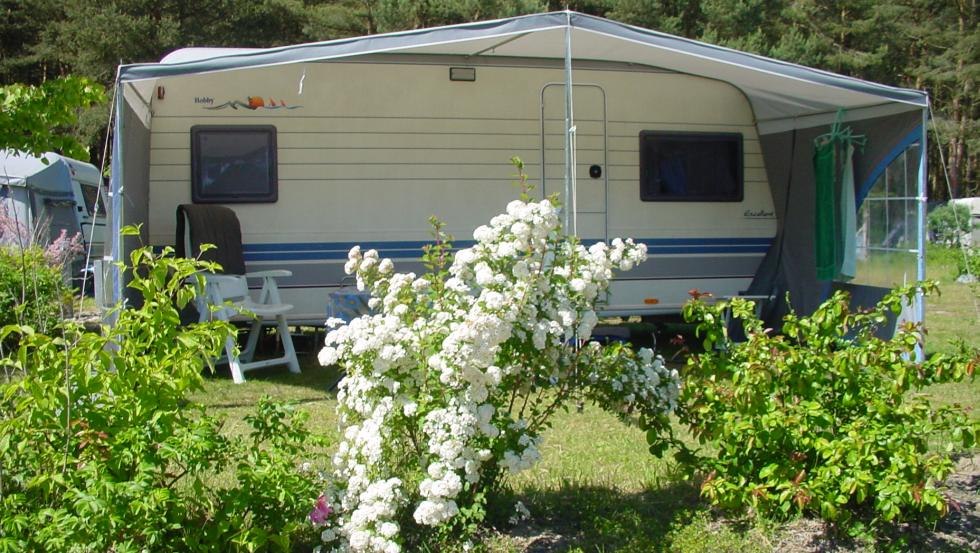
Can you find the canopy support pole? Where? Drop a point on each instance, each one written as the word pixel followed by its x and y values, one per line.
pixel 569 206
pixel 920 306
pixel 116 194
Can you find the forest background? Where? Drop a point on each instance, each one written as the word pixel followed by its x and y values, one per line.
pixel 930 45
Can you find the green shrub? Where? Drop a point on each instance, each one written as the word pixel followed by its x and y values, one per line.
pixel 948 223
pixel 968 261
pixel 953 261
pixel 32 291
pixel 820 419
pixel 941 261
pixel 102 450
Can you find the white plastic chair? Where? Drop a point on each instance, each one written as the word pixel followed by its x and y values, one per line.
pixel 231 291
pixel 227 297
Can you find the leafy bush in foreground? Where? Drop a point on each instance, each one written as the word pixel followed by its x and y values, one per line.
pixel 101 449
pixel 821 419
pixel 32 290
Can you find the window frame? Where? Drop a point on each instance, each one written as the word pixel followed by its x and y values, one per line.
pixel 91 192
pixel 271 195
pixel 736 137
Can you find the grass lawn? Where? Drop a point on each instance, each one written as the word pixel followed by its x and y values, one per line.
pixel 953 315
pixel 597 488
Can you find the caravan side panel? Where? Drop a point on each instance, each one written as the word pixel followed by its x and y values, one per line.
pixel 368 151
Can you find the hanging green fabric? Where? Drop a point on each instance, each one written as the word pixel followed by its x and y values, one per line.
pixel 825 224
pixel 848 213
pixel 835 215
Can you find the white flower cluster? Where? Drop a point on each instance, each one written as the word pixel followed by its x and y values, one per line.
pixel 526 457
pixel 451 431
pixel 428 379
pixel 521 513
pixel 371 527
pixel 629 384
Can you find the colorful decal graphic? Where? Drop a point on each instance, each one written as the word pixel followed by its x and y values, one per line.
pixel 254 103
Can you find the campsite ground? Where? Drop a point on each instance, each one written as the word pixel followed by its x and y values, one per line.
pixel 598 489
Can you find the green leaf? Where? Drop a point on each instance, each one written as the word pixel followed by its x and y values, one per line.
pixel 768 470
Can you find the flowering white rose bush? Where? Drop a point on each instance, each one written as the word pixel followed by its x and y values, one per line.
pixel 451 382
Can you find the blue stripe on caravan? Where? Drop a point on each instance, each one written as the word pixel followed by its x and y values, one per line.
pixel 318 255
pixel 414 254
pixel 706 241
pixel 346 246
pixel 706 249
pixel 313 251
pixel 404 245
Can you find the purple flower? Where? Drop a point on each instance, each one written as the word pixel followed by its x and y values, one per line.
pixel 320 511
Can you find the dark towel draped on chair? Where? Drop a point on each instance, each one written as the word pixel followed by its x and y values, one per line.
pixel 212 224
pixel 226 296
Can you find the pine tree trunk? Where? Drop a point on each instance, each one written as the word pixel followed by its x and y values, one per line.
pixel 959 119
pixel 372 26
pixel 971 174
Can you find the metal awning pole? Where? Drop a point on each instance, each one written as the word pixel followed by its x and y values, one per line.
pixel 569 124
pixel 920 304
pixel 115 194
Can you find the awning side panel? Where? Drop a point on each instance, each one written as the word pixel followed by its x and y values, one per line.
pixel 790 266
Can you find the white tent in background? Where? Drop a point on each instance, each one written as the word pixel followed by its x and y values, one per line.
pixel 790 105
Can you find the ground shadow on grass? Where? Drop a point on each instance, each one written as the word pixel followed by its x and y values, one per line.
pixel 314 382
pixel 960 529
pixel 577 518
pixel 590 518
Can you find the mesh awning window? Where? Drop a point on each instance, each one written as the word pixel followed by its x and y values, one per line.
pixel 888 224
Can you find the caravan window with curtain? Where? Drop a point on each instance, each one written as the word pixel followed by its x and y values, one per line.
pixel 690 167
pixel 233 164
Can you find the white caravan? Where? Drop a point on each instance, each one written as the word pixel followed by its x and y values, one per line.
pixel 359 141
pixel 52 193
pixel 370 164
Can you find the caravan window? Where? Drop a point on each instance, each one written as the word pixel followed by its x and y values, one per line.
pixel 233 164
pixel 93 201
pixel 690 167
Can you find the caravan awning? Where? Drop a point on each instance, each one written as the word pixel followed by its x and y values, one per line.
pixel 789 101
pixel 784 95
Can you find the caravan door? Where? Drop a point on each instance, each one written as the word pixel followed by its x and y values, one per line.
pixel 589 196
